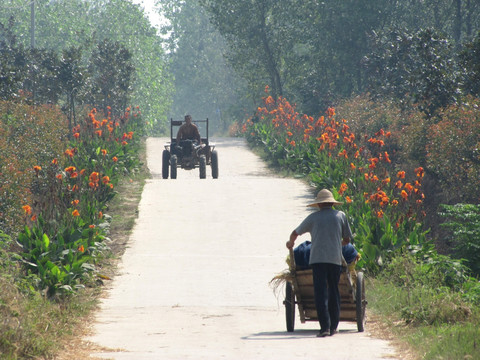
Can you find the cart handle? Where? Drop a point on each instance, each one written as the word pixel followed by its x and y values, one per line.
pixel 292 264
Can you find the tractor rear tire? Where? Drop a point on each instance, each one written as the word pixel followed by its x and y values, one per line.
pixel 214 164
pixel 203 167
pixel 165 163
pixel 173 167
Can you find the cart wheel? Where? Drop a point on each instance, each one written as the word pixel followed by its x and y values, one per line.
pixel 290 307
pixel 361 302
pixel 165 163
pixel 173 167
pixel 203 167
pixel 214 164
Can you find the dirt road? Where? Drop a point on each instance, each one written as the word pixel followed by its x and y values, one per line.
pixel 193 282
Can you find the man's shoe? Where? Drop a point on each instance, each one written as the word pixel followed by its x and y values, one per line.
pixel 323 333
pixel 333 332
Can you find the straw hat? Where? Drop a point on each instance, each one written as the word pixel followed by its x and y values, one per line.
pixel 325 196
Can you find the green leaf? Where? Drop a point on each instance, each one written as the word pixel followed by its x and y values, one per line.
pixel 46 241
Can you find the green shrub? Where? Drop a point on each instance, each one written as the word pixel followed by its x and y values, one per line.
pixel 463 220
pixel 434 287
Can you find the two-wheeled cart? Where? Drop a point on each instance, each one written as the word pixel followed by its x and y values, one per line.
pixel 299 291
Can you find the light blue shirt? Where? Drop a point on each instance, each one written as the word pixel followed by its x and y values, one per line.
pixel 327 227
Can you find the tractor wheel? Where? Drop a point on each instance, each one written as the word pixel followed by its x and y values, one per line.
pixel 165 163
pixel 361 302
pixel 289 307
pixel 203 167
pixel 214 164
pixel 173 167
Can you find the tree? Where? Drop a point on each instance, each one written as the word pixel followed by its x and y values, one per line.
pixel 470 61
pixel 112 74
pixel 415 68
pixel 253 49
pixel 205 86
pixel 13 62
pixel 72 77
pixel 64 24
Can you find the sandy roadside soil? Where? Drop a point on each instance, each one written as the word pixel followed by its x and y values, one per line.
pixel 194 280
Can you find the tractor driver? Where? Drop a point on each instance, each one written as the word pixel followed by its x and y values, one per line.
pixel 188 131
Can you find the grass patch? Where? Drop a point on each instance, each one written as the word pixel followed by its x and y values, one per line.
pixel 32 326
pixel 448 339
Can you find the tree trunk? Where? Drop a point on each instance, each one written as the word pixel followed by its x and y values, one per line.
pixel 457 27
pixel 271 65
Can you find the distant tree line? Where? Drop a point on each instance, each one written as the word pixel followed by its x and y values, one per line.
pixel 84 51
pixel 315 52
pixel 67 79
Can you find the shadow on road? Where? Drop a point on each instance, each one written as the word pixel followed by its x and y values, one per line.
pixel 285 335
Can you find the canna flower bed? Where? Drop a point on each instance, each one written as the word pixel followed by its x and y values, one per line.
pixel 65 207
pixel 384 202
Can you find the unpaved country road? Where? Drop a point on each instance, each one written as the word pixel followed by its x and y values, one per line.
pixel 194 280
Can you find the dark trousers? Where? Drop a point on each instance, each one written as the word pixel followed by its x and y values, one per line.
pixel 327 297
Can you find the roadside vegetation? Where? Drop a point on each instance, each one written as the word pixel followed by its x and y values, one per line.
pixel 428 293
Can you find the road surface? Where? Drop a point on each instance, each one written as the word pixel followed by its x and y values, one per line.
pixel 194 280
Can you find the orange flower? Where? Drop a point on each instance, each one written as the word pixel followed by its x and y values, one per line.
pixel 75 202
pixel 81 249
pixel 342 189
pixel 401 174
pixel 386 157
pixel 105 180
pixel 404 195
pixel 409 187
pixel 331 112
pixel 343 153
pixel 348 199
pixel 33 218
pixel 54 161
pixel 59 176
pixel 94 177
pixel 99 133
pixel 37 168
pixel 76 135
pixel 100 215
pixel 73 175
pixel 398 184
pixel 27 209
pixel 70 152
pixel 115 159
pixel 420 172
pixel 75 187
pixel 124 143
pixel 70 169
pixel 104 152
pixel 91 226
pixel 394 202
pixel 380 214
pixel 75 213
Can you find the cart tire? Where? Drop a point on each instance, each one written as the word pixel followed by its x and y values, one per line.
pixel 203 167
pixel 165 163
pixel 361 302
pixel 214 164
pixel 173 167
pixel 289 307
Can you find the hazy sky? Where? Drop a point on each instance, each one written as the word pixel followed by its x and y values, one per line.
pixel 149 6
